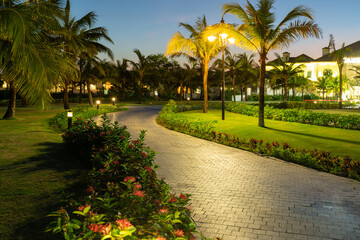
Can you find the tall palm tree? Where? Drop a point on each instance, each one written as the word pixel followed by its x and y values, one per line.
pixel 259 33
pixel 247 72
pixel 28 59
pixel 284 70
pixel 339 58
pixel 324 83
pixel 122 74
pixel 78 36
pixel 195 46
pixel 141 68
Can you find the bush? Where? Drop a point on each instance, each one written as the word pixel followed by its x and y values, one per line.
pixel 298 115
pixel 124 198
pixel 60 121
pixel 324 161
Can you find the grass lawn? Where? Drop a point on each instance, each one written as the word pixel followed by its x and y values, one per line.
pixel 338 141
pixel 35 170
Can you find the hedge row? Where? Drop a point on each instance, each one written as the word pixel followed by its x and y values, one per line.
pixel 59 122
pixel 298 115
pixel 124 199
pixel 320 160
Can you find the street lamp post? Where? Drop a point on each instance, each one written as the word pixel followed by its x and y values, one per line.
pixel 223 40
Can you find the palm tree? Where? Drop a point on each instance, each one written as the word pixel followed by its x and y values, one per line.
pixel 122 75
pixel 284 70
pixel 258 32
pixel 26 52
pixel 339 58
pixel 195 46
pixel 324 83
pixel 183 76
pixel 141 68
pixel 247 72
pixel 78 36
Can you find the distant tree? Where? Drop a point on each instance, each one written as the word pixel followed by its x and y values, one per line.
pixel 323 83
pixel 247 73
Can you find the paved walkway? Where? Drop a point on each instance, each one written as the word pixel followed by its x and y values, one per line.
pixel 240 195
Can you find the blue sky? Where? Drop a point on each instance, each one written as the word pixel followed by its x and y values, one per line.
pixel 149 24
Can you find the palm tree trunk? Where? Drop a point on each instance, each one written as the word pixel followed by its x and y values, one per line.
pixel 10 112
pixel 241 93
pixel 66 95
pixel 81 87
pixel 262 90
pixel 341 83
pixel 293 90
pixel 233 82
pixel 181 91
pixel 140 87
pixel 285 89
pixel 246 94
pixel 89 93
pixel 205 76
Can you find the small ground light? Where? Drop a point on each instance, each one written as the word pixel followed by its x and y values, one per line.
pixel 97 104
pixel 188 99
pixel 315 102
pixel 69 115
pixel 113 101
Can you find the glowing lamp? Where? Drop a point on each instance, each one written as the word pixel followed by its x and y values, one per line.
pixel 223 35
pixel 211 38
pixel 69 115
pixel 97 104
pixel 113 100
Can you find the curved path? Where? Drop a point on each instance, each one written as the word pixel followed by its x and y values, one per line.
pixel 240 195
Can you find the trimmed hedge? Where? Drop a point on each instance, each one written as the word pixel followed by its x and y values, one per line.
pixel 298 115
pixel 320 160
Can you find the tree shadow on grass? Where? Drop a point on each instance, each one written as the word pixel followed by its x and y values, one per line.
pixel 315 136
pixel 52 165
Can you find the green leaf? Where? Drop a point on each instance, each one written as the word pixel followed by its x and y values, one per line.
pixel 79 213
pixel 177 214
pixel 86 210
pixel 176 221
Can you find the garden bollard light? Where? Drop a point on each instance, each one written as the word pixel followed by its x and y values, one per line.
pixel 97 104
pixel 188 99
pixel 113 101
pixel 69 115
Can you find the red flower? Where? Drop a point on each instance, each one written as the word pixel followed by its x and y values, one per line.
pixel 127 179
pixel 106 164
pixel 130 146
pixel 90 189
pixel 179 233
pixel 102 170
pixel 101 149
pixel 149 169
pixel 102 134
pixel 139 193
pixel 173 199
pixel 136 142
pixel 122 136
pixel 116 162
pixel 106 229
pixel 108 132
pixel 160 238
pixel 143 154
pixel 137 186
pixel 182 196
pixel 123 223
pixel 163 211
pixel 95 227
pixel 81 208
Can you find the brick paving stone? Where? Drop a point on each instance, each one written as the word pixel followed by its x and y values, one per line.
pixel 241 195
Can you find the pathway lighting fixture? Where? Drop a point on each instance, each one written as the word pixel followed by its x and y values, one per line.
pixel 70 116
pixel 188 100
pixel 97 104
pixel 314 101
pixel 223 40
pixel 113 101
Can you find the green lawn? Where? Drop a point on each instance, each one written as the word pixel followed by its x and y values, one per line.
pixel 339 111
pixel 338 141
pixel 35 170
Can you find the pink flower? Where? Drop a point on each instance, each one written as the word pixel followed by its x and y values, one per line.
pixel 102 170
pixel 127 179
pixel 81 208
pixel 163 210
pixel 139 193
pixel 143 154
pixel 149 169
pixel 90 189
pixel 179 233
pixel 123 223
pixel 137 186
pixel 182 196
pixel 116 162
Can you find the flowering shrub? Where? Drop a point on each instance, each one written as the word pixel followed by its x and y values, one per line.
pixel 324 161
pixel 298 115
pixel 124 198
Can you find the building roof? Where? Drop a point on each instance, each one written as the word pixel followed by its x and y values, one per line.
pixel 354 52
pixel 301 59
